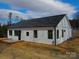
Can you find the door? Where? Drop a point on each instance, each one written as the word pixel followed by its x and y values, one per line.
pixel 19 35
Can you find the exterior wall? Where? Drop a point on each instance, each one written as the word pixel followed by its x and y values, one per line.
pixel 27 38
pixel 12 37
pixel 64 25
pixel 42 35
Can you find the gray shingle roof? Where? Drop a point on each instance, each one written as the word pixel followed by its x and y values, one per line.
pixel 50 21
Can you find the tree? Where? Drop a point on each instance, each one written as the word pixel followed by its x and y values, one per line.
pixel 3 31
pixel 76 18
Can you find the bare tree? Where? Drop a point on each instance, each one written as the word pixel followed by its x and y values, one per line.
pixel 76 18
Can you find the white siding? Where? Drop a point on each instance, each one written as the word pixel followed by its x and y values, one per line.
pixel 27 38
pixel 64 25
pixel 13 36
pixel 42 35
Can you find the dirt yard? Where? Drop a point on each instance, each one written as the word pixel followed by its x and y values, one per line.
pixel 28 50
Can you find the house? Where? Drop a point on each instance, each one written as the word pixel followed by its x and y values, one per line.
pixel 47 30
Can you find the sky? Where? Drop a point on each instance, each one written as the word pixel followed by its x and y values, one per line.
pixel 27 9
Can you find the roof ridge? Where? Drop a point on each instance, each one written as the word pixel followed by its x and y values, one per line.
pixel 47 17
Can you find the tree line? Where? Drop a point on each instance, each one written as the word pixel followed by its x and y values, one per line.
pixel 3 31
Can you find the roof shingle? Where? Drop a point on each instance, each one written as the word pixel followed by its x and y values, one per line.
pixel 50 21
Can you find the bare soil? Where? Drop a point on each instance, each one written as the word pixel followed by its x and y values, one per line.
pixel 28 50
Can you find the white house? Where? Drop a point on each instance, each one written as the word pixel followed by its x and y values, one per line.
pixel 47 30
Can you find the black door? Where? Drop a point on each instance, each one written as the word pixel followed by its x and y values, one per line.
pixel 19 35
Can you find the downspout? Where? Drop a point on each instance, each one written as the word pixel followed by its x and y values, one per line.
pixel 55 36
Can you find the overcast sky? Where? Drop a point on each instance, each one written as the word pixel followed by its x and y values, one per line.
pixel 38 8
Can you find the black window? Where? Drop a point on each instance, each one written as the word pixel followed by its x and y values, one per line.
pixel 50 34
pixel 35 33
pixel 57 34
pixel 27 33
pixel 62 33
pixel 10 32
pixel 16 32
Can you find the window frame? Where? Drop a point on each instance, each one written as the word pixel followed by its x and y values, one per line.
pixel 57 34
pixel 10 32
pixel 27 33
pixel 16 32
pixel 35 34
pixel 50 34
pixel 62 33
